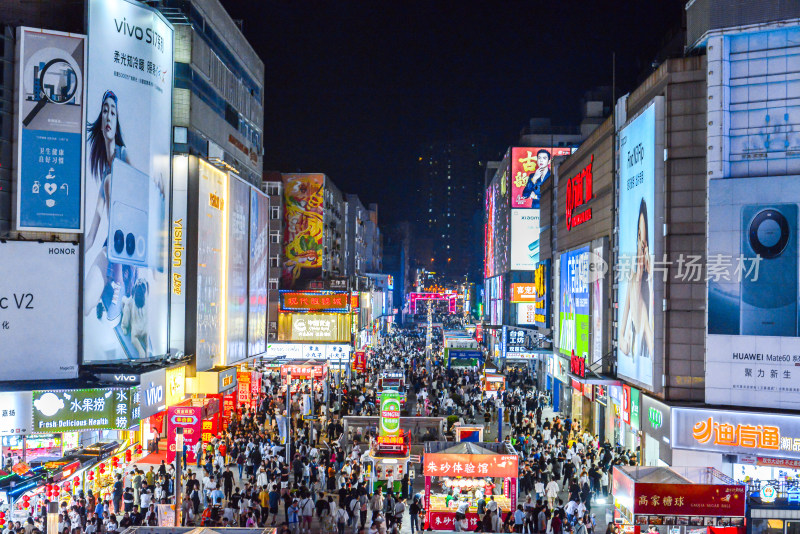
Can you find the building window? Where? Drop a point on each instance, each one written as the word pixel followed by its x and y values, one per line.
pixel 273 261
pixel 273 283
pixel 274 237
pixel 274 212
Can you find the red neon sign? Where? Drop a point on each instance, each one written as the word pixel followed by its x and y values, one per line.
pixel 579 192
pixel 314 301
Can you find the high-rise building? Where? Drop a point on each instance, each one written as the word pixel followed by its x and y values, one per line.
pixel 274 191
pixel 218 98
pixel 449 194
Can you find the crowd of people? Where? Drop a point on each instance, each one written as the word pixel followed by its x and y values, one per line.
pixel 245 477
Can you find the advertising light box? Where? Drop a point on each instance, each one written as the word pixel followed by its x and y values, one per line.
pixel 127 179
pixel 257 285
pixel 211 298
pixel 313 301
pixel 635 312
pixel 237 247
pixel 314 327
pixel 573 313
pixel 303 232
pixel 82 409
pixel 39 310
pixel 51 98
pixel 16 415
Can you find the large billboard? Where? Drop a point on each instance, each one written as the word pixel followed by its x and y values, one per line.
pixel 573 311
pixel 304 198
pixel 38 310
pixel 257 286
pixel 635 313
pixel 314 327
pixel 753 343
pixel 497 218
pixel 530 169
pixel 127 160
pixel 524 239
pixel 50 101
pixel 238 249
pixel 84 409
pixel 211 264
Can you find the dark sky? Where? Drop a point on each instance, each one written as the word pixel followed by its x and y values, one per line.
pixel 352 88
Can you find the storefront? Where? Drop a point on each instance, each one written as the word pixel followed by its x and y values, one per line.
pixel 220 384
pixel 558 384
pixel 467 471
pixel 655 418
pixel 623 420
pixel 688 501
pixel 751 447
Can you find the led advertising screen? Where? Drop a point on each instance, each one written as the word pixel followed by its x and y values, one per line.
pixel 314 327
pixel 238 248
pixel 753 342
pixel 303 197
pixel 82 409
pixel 635 313
pixel 530 169
pixel 597 287
pixel 127 161
pixel 524 239
pixel 488 243
pixel 38 310
pixel 51 123
pixel 211 237
pixel 573 312
pixel 259 252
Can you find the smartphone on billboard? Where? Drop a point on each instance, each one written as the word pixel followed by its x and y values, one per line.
pixel 769 300
pixel 134 218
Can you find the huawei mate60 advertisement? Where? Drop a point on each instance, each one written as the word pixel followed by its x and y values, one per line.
pixel 573 311
pixel 635 314
pixel 127 179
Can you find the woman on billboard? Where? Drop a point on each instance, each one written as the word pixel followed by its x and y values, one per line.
pixel 636 339
pixel 114 288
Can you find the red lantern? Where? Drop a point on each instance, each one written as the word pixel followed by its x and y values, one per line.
pixel 26 505
pixel 76 480
pixel 139 448
pixel 90 476
pixel 2 515
pixel 2 522
pixel 67 487
pixel 115 461
pixel 128 455
pixel 26 498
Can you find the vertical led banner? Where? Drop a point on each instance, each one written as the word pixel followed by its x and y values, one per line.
pixel 257 281
pixel 211 240
pixel 390 414
pixel 635 313
pixel 177 294
pixel 597 280
pixel 303 232
pixel 238 250
pixel 573 329
pixel 127 169
pixel 50 110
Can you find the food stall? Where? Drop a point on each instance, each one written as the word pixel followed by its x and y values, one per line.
pixel 470 470
pixel 686 500
pixel 493 383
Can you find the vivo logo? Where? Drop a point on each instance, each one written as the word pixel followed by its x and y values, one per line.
pixel 154 394
pixel 125 378
pixel 148 35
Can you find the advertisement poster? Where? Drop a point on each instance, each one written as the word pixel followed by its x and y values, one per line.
pixel 82 409
pixel 238 249
pixel 573 313
pixel 39 309
pixel 257 285
pixel 597 287
pixel 244 389
pixel 488 241
pixel 16 415
pixel 541 283
pixel 50 106
pixel 530 169
pixel 753 344
pixel 315 327
pixel 635 312
pixel 524 239
pixel 303 197
pixel 390 414
pixel 360 361
pixel 178 281
pixel 211 220
pixel 229 407
pixel 190 419
pixel 127 169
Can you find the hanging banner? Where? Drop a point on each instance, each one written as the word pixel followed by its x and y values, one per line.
pixel 190 419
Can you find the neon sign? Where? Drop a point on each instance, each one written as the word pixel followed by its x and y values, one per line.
pixel 579 192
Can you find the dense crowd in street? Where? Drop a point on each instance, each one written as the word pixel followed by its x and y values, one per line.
pixel 242 476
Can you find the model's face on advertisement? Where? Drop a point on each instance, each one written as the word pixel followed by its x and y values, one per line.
pixel 542 160
pixel 109 118
pixel 641 243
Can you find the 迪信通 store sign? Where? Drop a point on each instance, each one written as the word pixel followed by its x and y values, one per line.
pixel 579 192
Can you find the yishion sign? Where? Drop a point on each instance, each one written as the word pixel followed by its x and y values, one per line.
pixel 579 192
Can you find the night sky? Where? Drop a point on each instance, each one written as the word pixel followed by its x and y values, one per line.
pixel 354 88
